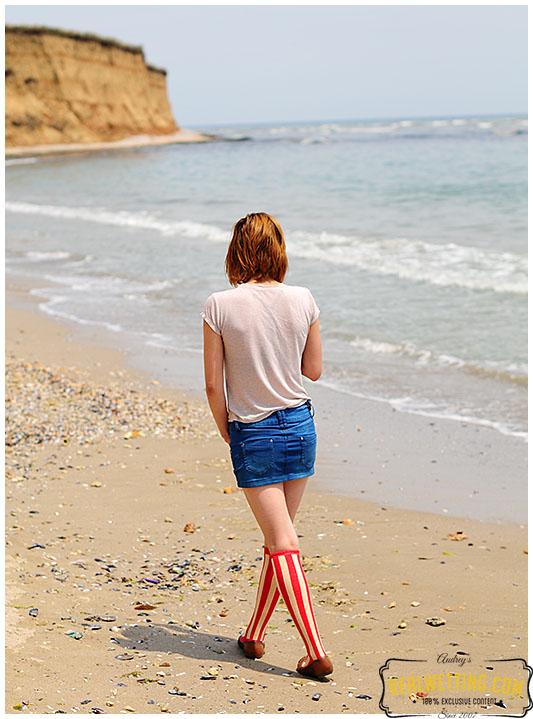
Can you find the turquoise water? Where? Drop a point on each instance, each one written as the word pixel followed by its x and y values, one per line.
pixel 411 235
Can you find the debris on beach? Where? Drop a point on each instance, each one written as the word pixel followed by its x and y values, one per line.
pixel 435 621
pixel 67 406
pixel 457 536
pixel 158 582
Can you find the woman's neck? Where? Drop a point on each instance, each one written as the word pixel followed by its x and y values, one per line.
pixel 268 282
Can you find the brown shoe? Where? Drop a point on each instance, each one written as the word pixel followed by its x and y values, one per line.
pixel 317 669
pixel 251 649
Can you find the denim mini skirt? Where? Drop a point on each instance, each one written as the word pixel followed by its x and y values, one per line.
pixel 277 448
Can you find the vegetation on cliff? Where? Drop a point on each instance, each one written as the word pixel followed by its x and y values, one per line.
pixel 82 37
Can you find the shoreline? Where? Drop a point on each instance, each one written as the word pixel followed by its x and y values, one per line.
pixel 367 449
pixel 131 142
pixel 95 525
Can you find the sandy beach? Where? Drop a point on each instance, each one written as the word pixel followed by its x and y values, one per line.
pixel 127 143
pixel 115 483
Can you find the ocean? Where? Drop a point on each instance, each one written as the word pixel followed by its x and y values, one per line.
pixel 410 233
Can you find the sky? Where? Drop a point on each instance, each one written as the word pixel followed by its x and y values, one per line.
pixel 230 64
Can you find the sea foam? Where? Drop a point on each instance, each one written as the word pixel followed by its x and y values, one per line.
pixel 447 264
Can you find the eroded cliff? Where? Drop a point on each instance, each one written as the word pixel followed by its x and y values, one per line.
pixel 65 87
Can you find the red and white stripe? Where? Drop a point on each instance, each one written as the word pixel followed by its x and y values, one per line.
pixel 294 589
pixel 265 603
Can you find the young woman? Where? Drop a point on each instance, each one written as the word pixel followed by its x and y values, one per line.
pixel 263 336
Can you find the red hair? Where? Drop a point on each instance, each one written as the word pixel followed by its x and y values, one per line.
pixel 257 250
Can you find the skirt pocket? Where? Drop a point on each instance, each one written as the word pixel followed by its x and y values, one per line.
pixel 236 456
pixel 308 450
pixel 258 456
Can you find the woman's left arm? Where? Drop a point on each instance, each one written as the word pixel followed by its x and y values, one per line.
pixel 214 379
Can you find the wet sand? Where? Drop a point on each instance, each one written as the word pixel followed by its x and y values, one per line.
pixel 367 448
pixel 106 468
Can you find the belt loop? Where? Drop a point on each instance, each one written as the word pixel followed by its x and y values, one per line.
pixel 311 408
pixel 236 424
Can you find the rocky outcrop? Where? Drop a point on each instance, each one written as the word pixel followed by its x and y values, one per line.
pixel 66 87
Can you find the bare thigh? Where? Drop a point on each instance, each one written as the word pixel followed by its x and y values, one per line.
pixel 294 490
pixel 274 507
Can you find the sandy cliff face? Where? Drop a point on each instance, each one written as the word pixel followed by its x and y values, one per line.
pixel 63 87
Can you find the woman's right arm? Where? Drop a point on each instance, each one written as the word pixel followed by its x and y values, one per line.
pixel 312 354
pixel 214 379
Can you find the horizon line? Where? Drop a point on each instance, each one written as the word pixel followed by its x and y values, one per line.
pixel 395 118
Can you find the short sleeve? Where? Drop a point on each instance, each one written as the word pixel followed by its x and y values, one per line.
pixel 211 314
pixel 314 310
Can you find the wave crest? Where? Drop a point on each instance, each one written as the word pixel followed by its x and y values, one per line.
pixel 415 260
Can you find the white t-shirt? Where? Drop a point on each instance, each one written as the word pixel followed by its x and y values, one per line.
pixel 264 329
